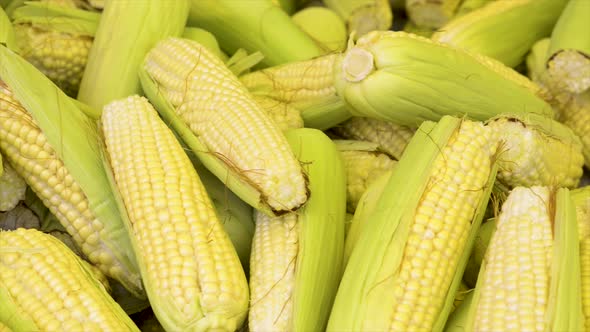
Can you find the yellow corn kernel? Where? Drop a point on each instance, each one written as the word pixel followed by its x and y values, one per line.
pixel 391 137
pixel 190 269
pixel 224 117
pixel 12 187
pixel 46 287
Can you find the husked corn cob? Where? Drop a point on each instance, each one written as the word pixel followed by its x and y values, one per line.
pixel 431 13
pixel 12 187
pixel 479 30
pixel 535 235
pixel 221 122
pixel 420 232
pixel 372 77
pixel 189 267
pixel 46 287
pixel 363 163
pixel 324 26
pixel 536 150
pixel 576 115
pixel 255 25
pixel 581 199
pixel 362 16
pixel 568 57
pixel 138 26
pixel 391 138
pixel 305 85
pixel 296 258
pixel 283 115
pixel 54 147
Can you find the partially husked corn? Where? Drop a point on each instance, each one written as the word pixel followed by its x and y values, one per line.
pixel 224 116
pixel 192 274
pixel 46 287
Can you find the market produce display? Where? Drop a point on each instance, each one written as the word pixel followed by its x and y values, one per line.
pixel 294 165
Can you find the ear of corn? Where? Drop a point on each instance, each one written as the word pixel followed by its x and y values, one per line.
pixel 296 260
pixel 54 147
pixel 429 13
pixel 537 235
pixel 363 163
pixel 255 25
pixel 56 40
pixel 480 30
pixel 391 137
pixel 576 115
pixel 305 85
pixel 12 187
pixel 420 233
pixel 372 77
pixel 138 26
pixel 568 57
pixel 362 16
pixel 536 150
pixel 324 26
pixel 189 267
pixel 206 39
pixel 220 121
pixel 364 209
pixel 46 287
pixel 581 199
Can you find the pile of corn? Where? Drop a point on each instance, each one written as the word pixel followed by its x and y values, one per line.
pixel 287 165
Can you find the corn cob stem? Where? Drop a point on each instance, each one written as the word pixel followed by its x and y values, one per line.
pixel 221 122
pixel 138 25
pixel 189 267
pixel 480 30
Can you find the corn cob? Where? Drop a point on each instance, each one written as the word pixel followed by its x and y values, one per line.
pixel 372 77
pixel 429 13
pixel 576 115
pixel 255 25
pixel 62 165
pixel 363 16
pixel 568 57
pixel 420 233
pixel 56 40
pixel 581 199
pixel 305 85
pixel 283 115
pixel 362 214
pixel 296 258
pixel 363 164
pixel 189 267
pixel 536 150
pixel 138 25
pixel 537 236
pixel 12 187
pixel 45 287
pixel 324 26
pixel 391 138
pixel 220 121
pixel 480 30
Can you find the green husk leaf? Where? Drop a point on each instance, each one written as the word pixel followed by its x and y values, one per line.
pixel 113 63
pixel 7 36
pixel 206 39
pixel 77 146
pixel 254 25
pixel 407 79
pixel 53 17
